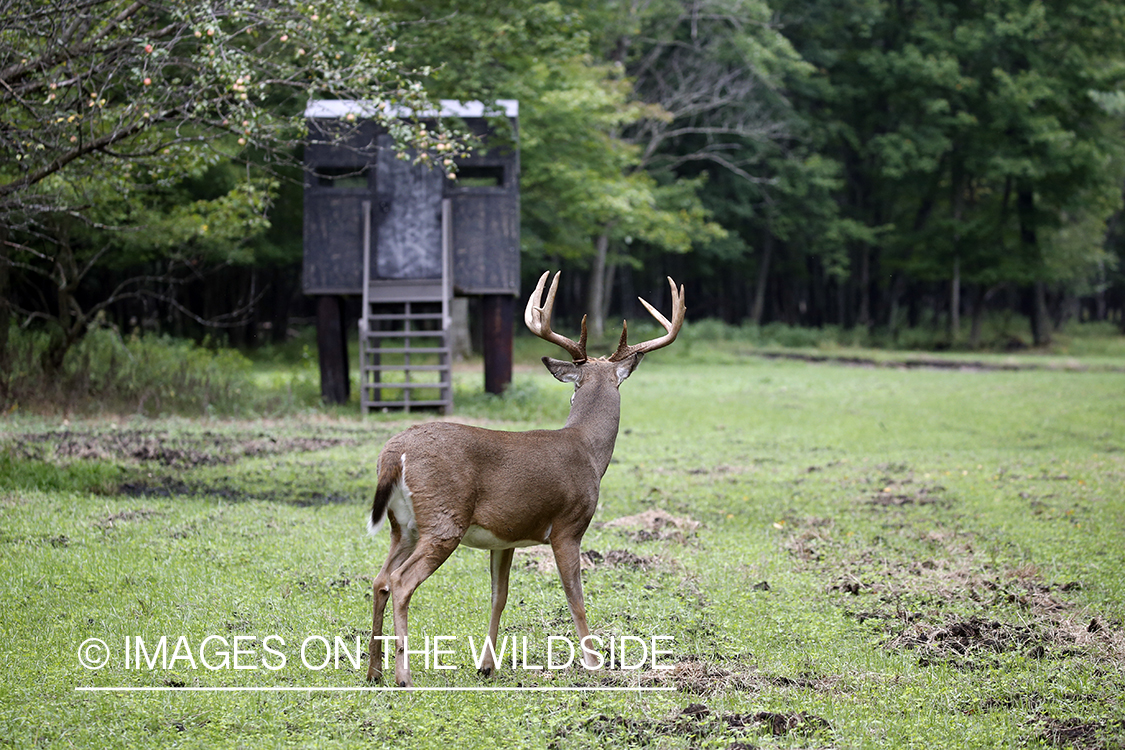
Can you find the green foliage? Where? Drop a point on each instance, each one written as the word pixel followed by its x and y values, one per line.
pixel 579 176
pixel 582 179
pixel 943 114
pixel 123 123
pixel 151 375
pixel 1001 333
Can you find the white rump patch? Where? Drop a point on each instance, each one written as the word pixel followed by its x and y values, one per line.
pixel 401 503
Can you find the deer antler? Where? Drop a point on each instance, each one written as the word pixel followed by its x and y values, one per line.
pixel 538 319
pixel 672 327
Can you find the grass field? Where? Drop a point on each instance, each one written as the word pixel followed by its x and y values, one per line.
pixel 841 557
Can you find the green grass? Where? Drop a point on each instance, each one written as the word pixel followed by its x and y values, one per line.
pixel 944 552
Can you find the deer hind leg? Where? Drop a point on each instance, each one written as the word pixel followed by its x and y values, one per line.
pixel 568 559
pixel 500 564
pixel 424 560
pixel 381 592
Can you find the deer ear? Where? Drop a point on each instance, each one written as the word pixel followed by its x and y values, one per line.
pixel 566 372
pixel 626 366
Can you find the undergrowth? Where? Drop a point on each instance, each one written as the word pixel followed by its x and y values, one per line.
pixel 156 375
pixel 1000 333
pixel 105 372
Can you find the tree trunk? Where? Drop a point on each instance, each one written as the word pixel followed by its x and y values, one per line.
pixel 958 185
pixel 763 277
pixel 955 302
pixel 607 294
pixel 976 304
pixel 898 287
pixel 1099 295
pixel 841 303
pixel 1040 322
pixel 69 325
pixel 863 316
pixel 5 314
pixel 596 291
pixel 1041 319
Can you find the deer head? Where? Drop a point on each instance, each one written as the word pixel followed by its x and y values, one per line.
pixel 622 362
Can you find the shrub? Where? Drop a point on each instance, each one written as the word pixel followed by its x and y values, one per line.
pixel 144 374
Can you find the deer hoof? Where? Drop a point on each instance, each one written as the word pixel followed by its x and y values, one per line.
pixel 485 671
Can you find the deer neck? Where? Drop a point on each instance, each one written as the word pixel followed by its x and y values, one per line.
pixel 595 417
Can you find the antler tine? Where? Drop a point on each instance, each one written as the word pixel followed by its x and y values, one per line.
pixel 538 319
pixel 671 326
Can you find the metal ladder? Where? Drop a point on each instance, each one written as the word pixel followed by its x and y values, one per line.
pixel 404 336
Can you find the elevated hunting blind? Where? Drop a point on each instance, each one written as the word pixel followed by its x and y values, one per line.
pixel 407 239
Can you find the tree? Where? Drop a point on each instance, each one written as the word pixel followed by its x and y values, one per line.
pixel 108 106
pixel 717 72
pixel 968 133
pixel 583 183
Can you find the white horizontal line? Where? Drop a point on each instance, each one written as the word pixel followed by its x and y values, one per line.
pixel 329 689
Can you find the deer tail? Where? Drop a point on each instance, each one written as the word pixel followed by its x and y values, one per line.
pixel 390 474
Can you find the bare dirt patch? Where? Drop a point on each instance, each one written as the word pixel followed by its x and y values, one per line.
pixel 654 525
pixel 696 722
pixel 962 611
pixel 697 676
pixel 1080 733
pixel 123 517
pixel 921 584
pixel 179 451
pixel 969 637
pixel 542 560
pixel 166 487
pixel 904 492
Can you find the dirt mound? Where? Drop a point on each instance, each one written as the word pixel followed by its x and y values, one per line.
pixel 695 722
pixel 973 636
pixel 697 676
pixel 655 524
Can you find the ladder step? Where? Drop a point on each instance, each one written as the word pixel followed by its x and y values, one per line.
pixel 435 385
pixel 391 313
pixel 404 334
pixel 400 367
pixel 411 350
pixel 405 316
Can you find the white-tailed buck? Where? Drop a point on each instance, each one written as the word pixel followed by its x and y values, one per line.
pixel 442 484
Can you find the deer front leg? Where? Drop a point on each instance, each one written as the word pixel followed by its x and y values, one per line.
pixel 424 560
pixel 500 564
pixel 568 559
pixel 381 592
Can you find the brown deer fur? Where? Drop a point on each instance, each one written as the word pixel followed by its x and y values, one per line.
pixel 442 485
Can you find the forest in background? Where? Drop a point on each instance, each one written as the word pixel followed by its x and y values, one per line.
pixel 885 166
